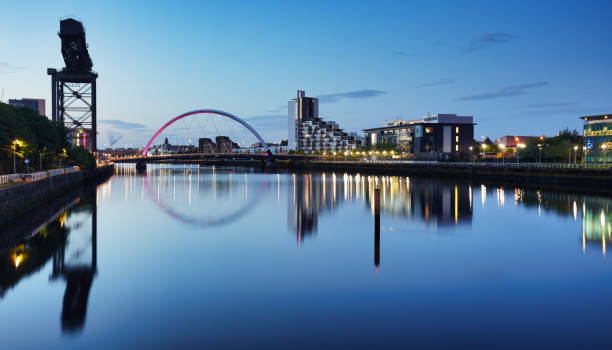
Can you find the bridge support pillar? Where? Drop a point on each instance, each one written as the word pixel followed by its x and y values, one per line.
pixel 141 166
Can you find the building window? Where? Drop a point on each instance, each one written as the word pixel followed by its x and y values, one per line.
pixel 456 130
pixel 456 148
pixel 456 138
pixel 427 130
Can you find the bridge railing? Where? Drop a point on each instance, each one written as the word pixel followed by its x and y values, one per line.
pixel 479 164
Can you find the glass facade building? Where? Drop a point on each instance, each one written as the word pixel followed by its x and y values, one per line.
pixel 597 138
pixel 441 136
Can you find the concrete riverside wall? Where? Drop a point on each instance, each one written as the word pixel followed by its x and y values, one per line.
pixel 20 198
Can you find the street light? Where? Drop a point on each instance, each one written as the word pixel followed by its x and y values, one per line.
pixel 520 145
pixel 540 151
pixel 502 147
pixel 16 143
pixel 584 150
pixel 575 153
pixel 604 146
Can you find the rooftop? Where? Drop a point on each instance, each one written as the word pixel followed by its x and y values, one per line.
pixel 596 117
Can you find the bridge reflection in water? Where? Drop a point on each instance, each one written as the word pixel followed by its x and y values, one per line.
pixel 64 233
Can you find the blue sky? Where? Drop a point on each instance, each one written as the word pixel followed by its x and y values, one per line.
pixel 519 67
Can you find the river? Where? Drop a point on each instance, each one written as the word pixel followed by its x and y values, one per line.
pixel 186 256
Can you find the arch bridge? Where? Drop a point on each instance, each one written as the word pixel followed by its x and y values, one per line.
pixel 204 113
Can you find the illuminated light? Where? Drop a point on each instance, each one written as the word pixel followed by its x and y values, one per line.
pixel 18 259
pixel 516 139
pixel 62 218
pixel 84 140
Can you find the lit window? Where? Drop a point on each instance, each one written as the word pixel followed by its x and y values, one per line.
pixel 456 148
pixel 427 130
pixel 456 129
pixel 456 138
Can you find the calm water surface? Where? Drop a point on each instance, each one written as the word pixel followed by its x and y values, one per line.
pixel 235 258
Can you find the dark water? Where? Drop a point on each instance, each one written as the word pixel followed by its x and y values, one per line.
pixel 234 258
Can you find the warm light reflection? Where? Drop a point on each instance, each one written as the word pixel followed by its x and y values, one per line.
pixel 17 259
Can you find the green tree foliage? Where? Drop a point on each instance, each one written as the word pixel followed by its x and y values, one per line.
pixel 565 146
pixel 38 137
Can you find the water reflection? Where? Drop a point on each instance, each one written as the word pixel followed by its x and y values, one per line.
pixel 433 202
pixel 66 234
pixel 140 217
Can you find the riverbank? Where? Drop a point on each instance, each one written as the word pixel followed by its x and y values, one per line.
pixel 19 199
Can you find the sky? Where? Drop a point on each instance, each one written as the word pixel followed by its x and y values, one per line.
pixel 519 67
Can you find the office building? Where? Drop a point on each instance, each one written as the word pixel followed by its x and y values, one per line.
pixel 308 132
pixel 437 137
pixel 37 104
pixel 597 140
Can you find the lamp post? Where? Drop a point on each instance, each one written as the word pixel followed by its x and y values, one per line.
pixel 16 143
pixel 584 150
pixel 518 147
pixel 575 153
pixel 604 146
pixel 503 148
pixel 540 152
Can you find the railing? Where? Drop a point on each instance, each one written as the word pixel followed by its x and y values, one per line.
pixel 38 175
pixel 479 164
pixel 9 178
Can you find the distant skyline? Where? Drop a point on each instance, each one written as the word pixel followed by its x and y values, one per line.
pixel 518 67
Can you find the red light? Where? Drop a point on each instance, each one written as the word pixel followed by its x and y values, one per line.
pixel 85 140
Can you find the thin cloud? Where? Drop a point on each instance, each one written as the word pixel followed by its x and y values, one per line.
pixel 399 53
pixel 550 105
pixel 357 94
pixel 507 91
pixel 120 124
pixel 281 108
pixel 488 40
pixel 6 67
pixel 268 120
pixel 436 82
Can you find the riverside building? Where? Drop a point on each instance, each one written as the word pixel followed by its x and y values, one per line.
pixel 307 132
pixel 597 140
pixel 37 104
pixel 436 137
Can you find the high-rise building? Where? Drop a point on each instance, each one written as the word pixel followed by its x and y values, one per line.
pixel 37 104
pixel 307 132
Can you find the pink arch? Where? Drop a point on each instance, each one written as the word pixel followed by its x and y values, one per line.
pixel 207 111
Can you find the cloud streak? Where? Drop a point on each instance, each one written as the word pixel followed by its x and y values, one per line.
pixel 436 82
pixel 507 91
pixel 357 94
pixel 550 105
pixel 487 40
pixel 120 124
pixel 6 67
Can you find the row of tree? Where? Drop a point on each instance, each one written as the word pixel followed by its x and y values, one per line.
pixel 26 135
pixel 563 147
